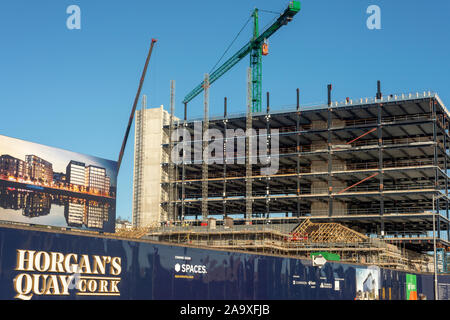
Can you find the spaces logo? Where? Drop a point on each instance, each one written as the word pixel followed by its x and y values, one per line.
pixel 187 270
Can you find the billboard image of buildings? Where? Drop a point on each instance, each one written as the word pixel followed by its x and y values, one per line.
pixel 367 283
pixel 42 185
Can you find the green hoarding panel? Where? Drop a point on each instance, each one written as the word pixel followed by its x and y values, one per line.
pixel 411 287
pixel 327 255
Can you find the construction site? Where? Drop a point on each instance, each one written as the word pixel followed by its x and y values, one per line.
pixel 366 179
pixel 347 198
pixel 363 178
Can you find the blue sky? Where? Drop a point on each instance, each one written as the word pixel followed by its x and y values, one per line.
pixel 73 89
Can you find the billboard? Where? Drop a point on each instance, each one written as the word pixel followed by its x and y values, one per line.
pixel 42 185
pixel 411 287
pixel 367 283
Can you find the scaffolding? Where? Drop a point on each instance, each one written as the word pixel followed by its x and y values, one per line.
pixel 297 241
pixel 139 162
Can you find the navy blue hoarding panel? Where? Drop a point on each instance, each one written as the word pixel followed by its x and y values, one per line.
pixel 45 265
pixel 425 286
pixel 444 287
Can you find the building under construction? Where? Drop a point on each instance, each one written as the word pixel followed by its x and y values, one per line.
pixel 377 166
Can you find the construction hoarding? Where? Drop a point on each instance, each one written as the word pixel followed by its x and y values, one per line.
pixel 55 265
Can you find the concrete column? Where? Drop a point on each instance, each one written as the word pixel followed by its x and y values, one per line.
pixel 321 207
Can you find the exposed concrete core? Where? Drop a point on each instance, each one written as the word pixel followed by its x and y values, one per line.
pixel 148 174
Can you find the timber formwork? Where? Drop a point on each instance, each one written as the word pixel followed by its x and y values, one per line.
pixel 378 166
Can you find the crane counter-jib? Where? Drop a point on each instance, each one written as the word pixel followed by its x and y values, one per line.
pixel 283 19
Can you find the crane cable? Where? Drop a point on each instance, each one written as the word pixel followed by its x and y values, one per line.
pixel 232 42
pixel 262 10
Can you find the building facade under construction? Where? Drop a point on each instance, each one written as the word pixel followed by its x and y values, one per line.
pixel 376 165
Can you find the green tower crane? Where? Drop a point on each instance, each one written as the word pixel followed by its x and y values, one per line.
pixel 253 47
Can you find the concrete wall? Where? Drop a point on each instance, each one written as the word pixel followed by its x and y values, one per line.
pixel 321 207
pixel 147 178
